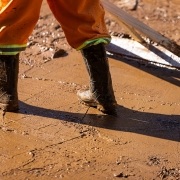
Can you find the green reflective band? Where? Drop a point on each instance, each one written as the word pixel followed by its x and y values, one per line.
pixel 8 53
pixel 94 42
pixel 11 49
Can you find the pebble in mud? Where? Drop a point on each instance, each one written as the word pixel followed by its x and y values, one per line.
pixel 121 175
pixel 118 174
pixel 59 53
pixel 61 176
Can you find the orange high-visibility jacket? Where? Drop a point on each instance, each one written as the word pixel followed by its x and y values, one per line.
pixel 82 22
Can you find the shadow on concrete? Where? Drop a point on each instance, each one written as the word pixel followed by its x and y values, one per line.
pixel 170 75
pixel 148 124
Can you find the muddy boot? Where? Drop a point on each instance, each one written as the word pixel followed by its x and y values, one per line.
pixel 100 93
pixel 9 68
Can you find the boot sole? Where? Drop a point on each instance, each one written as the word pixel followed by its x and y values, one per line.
pixel 99 107
pixel 8 108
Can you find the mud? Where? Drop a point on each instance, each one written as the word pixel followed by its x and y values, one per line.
pixel 54 137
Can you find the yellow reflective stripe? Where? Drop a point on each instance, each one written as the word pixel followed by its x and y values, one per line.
pixel 94 42
pixel 11 49
pixel 12 46
pixel 8 53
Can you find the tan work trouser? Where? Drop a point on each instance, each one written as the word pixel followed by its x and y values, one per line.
pixel 82 22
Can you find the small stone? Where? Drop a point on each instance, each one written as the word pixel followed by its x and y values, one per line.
pixel 59 53
pixel 118 175
pixel 61 176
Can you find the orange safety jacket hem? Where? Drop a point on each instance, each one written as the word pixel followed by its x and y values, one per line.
pixel 15 49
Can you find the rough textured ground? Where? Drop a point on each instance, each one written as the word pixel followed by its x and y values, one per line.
pixel 54 137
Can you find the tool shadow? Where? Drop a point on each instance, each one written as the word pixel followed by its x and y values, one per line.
pixel 170 75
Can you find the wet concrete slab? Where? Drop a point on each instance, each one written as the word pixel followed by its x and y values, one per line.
pixel 53 136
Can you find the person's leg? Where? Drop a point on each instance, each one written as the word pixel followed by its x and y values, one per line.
pixel 9 68
pixel 85 30
pixel 82 21
pixel 100 93
pixel 17 20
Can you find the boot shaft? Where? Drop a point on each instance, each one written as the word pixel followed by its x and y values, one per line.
pixel 98 68
pixel 101 91
pixel 9 68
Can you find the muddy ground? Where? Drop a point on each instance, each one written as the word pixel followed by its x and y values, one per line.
pixel 54 137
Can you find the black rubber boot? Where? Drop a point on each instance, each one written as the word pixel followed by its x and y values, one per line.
pixel 9 68
pixel 100 94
